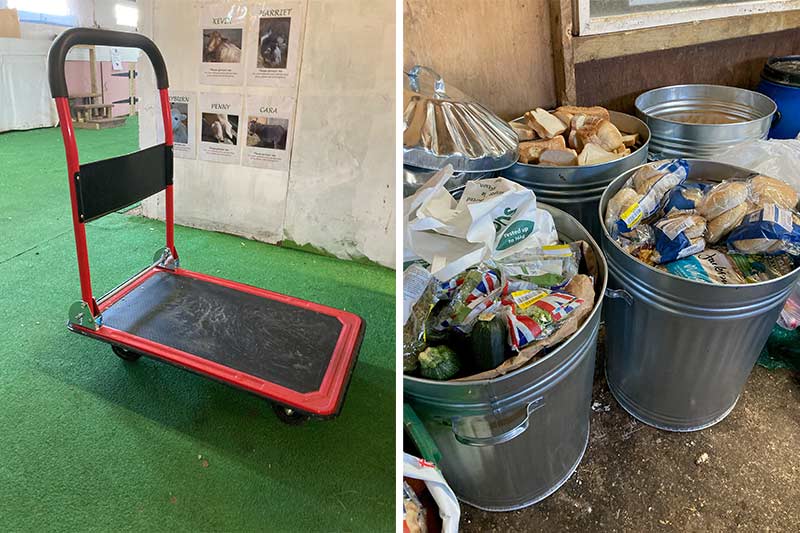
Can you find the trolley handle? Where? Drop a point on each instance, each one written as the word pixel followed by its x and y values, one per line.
pixel 75 36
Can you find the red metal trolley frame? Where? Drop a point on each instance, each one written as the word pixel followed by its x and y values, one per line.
pixel 86 315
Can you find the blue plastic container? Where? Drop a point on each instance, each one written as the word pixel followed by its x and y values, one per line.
pixel 780 80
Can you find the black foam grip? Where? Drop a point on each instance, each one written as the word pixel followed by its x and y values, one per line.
pixel 89 36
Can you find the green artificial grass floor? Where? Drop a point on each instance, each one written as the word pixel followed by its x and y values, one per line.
pixel 89 442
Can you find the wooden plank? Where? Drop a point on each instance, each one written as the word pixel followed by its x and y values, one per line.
pixel 616 82
pixel 605 46
pixel 563 56
pixel 497 51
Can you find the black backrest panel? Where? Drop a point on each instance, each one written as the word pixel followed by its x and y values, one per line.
pixel 106 186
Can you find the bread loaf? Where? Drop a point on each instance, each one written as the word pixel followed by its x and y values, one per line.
pixel 624 198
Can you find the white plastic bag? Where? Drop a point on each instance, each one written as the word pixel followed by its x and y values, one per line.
pixel 449 509
pixel 494 218
pixel 776 158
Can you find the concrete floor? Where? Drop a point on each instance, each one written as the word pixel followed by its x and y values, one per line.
pixel 635 478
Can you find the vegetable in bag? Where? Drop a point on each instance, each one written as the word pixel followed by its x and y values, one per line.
pixel 533 315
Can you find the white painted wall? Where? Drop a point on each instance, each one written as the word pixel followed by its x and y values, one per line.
pixel 339 192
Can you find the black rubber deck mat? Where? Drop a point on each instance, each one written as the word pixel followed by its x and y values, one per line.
pixel 281 343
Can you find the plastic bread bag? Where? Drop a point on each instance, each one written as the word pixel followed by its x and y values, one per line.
pixel 651 182
pixel 709 266
pixel 722 197
pixel 764 190
pixel 683 199
pixel 550 266
pixel 678 237
pixel 419 298
pixel 413 511
pixel 769 230
pixel 532 315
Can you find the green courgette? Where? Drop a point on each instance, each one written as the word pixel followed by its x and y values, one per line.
pixel 488 342
pixel 438 362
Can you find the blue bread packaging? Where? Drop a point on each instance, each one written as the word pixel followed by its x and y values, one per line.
pixel 652 181
pixel 684 198
pixel 770 230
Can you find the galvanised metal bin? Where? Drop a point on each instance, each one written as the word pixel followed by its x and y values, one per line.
pixel 678 352
pixel 511 441
pixel 702 121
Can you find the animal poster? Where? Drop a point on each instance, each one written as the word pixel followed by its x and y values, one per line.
pixel 220 118
pixel 269 131
pixel 275 32
pixel 184 124
pixel 222 30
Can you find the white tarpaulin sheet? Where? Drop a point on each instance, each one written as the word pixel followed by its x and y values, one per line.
pixel 23 83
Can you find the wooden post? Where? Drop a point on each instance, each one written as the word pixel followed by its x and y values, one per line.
pixel 563 56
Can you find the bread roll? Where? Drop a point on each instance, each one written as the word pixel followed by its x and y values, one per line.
pixel 602 133
pixel 529 152
pixel 544 124
pixel 523 131
pixel 596 111
pixel 765 190
pixel 721 198
pixel 720 226
pixel 624 198
pixel 563 157
pixel 592 154
pixel 630 139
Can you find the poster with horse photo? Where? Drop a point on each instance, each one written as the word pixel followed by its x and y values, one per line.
pixel 182 106
pixel 274 41
pixel 269 131
pixel 220 127
pixel 222 33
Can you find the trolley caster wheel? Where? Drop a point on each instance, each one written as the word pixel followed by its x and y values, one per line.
pixel 125 355
pixel 289 415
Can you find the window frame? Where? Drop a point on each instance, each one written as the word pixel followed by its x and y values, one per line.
pixel 586 25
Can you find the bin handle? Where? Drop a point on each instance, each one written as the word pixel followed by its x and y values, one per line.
pixel 438 84
pixel 620 293
pixel 504 437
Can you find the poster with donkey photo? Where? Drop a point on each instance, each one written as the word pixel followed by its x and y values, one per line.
pixel 222 29
pixel 182 107
pixel 220 134
pixel 274 39
pixel 269 131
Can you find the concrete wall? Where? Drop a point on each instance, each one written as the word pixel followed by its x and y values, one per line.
pixel 339 192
